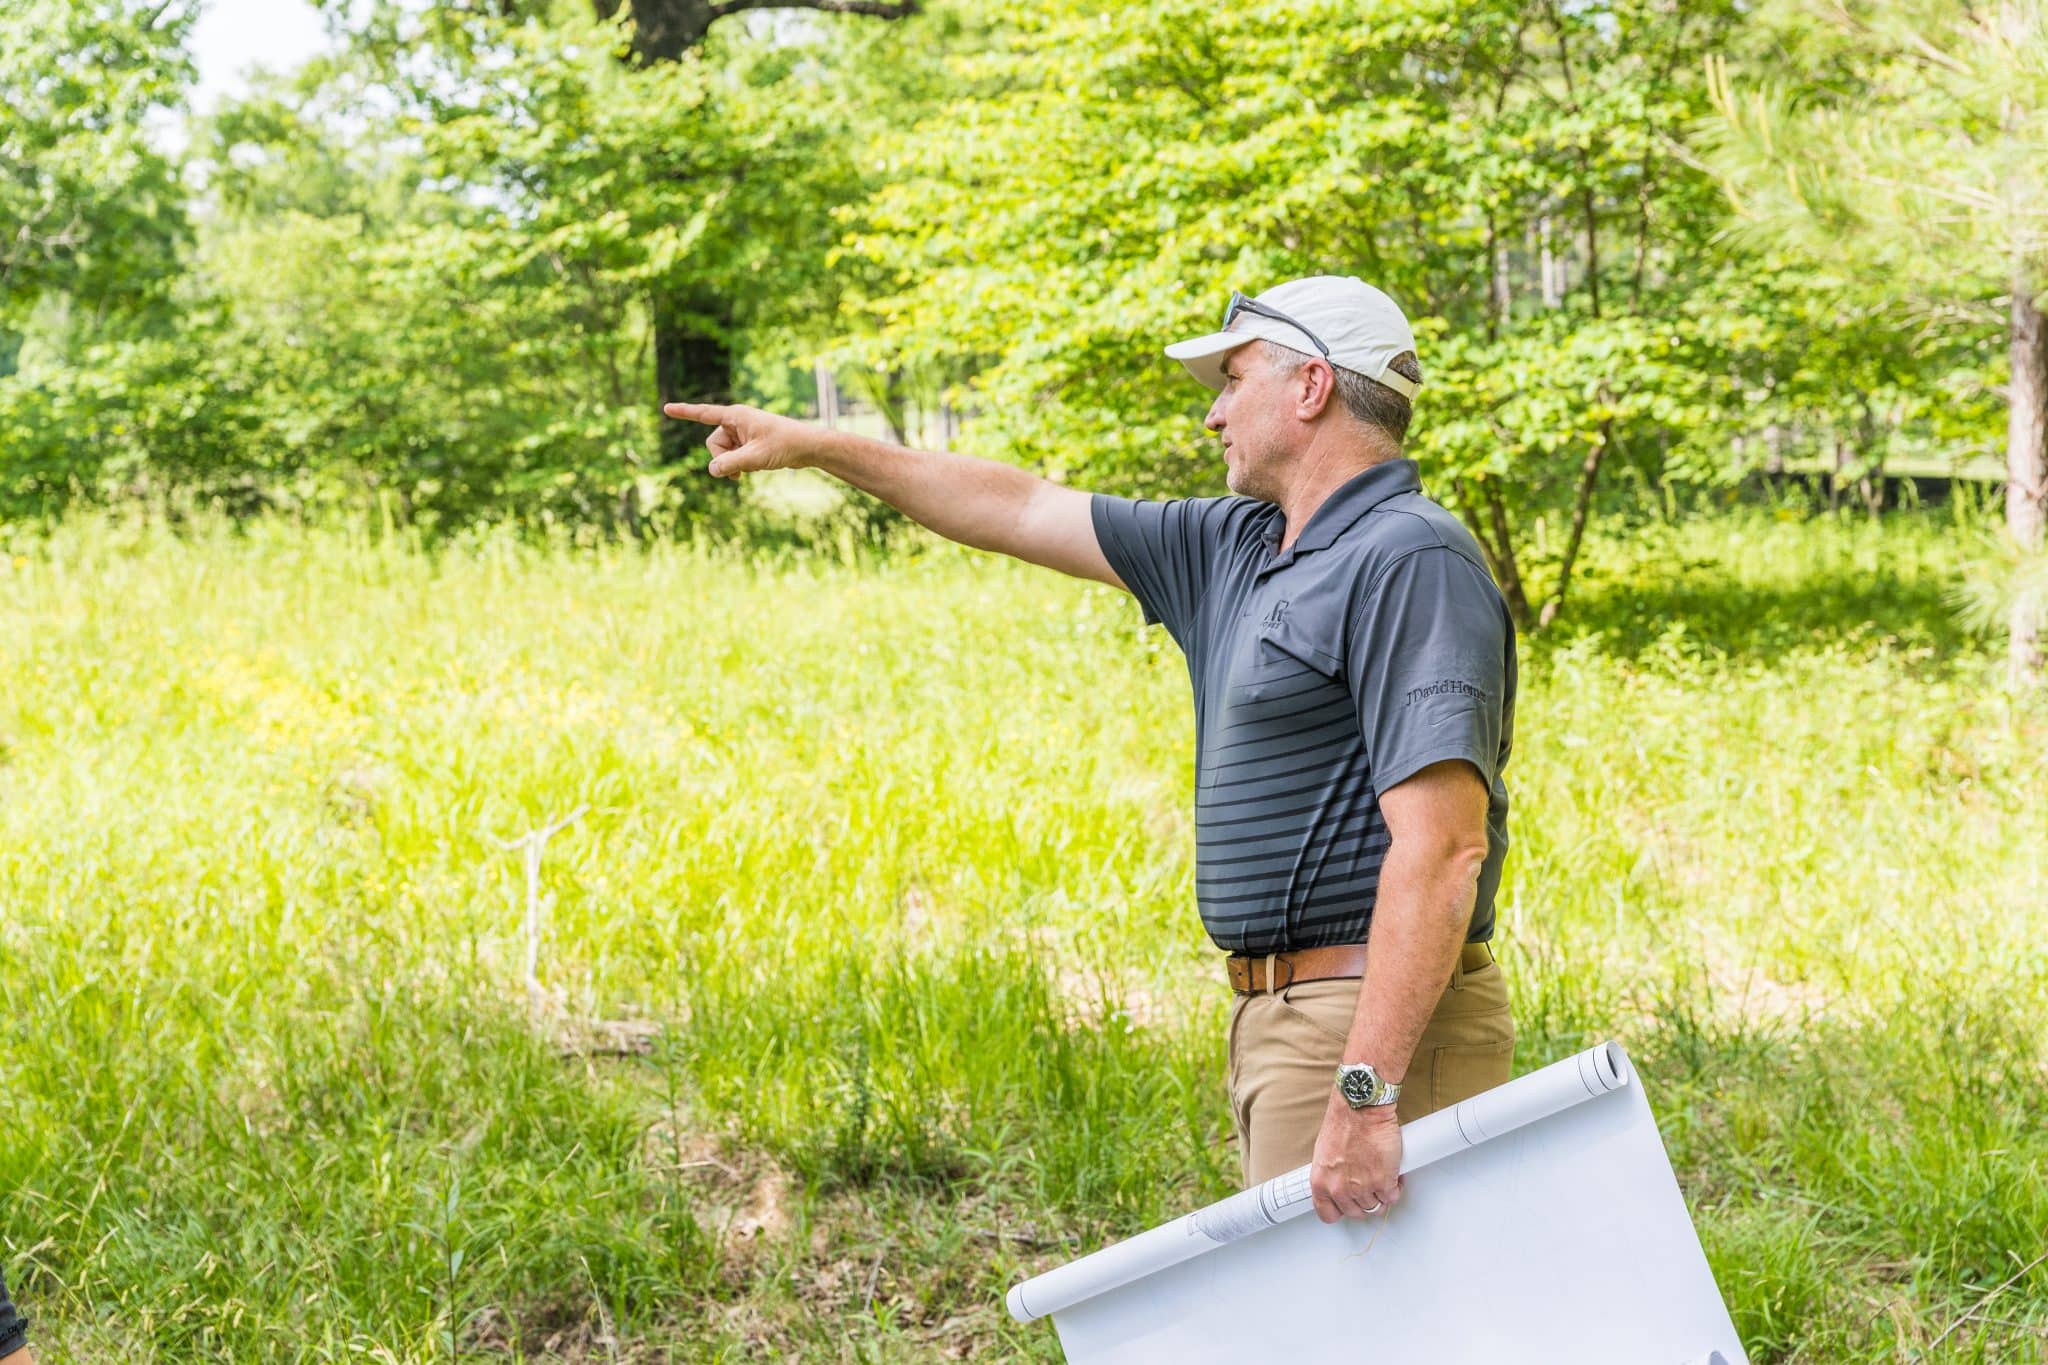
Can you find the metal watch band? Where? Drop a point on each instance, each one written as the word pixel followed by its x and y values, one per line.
pixel 1362 1087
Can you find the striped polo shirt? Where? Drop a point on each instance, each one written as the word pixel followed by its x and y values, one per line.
pixel 1374 646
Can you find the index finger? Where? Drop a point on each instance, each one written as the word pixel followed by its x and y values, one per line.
pixel 711 414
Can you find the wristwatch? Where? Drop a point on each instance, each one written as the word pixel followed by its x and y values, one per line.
pixel 1362 1087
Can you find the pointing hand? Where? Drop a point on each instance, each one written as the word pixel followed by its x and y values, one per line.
pixel 747 438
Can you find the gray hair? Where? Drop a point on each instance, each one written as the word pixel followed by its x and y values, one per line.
pixel 1367 400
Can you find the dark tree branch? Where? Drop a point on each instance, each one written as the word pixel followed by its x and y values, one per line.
pixel 880 9
pixel 663 30
pixel 1506 568
pixel 1468 508
pixel 1589 472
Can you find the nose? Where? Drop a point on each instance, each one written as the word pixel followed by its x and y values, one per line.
pixel 1214 421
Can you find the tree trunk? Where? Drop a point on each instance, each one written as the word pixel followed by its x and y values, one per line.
pixel 663 30
pixel 1498 300
pixel 2026 469
pixel 1549 266
pixel 882 390
pixel 1592 250
pixel 828 395
pixel 1589 473
pixel 692 364
pixel 1871 483
pixel 1501 550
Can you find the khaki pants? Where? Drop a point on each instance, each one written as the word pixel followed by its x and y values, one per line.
pixel 1285 1047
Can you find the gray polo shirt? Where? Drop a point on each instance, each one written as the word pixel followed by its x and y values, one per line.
pixel 1374 647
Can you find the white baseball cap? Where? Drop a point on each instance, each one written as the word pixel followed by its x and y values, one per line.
pixel 1340 317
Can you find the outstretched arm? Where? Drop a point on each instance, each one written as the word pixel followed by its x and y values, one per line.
pixel 985 504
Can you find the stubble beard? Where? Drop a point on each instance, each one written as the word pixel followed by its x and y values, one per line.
pixel 1247 478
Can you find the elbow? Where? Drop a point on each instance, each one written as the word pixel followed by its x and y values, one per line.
pixel 1463 861
pixel 1470 863
pixel 1456 860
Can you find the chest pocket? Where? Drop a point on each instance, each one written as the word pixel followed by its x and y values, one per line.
pixel 1289 649
pixel 1287 677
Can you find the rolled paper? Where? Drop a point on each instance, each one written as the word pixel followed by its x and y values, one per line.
pixel 1524 1100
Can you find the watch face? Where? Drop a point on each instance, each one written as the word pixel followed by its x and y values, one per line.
pixel 1358 1086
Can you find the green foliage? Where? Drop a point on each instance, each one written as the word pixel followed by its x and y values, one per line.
pixel 1911 135
pixel 89 208
pixel 428 281
pixel 1512 174
pixel 1912 139
pixel 1896 151
pixel 435 268
pixel 92 218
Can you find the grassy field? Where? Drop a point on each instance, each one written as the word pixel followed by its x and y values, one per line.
pixel 872 979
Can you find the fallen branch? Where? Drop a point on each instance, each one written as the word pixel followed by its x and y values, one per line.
pixel 2013 1279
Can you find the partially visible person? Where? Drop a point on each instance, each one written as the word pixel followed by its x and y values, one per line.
pixel 13 1332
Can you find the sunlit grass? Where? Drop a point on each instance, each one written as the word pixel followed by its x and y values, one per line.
pixel 897 857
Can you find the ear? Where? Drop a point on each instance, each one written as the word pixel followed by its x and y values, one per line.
pixel 1315 388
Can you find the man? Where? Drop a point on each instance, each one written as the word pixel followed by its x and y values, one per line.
pixel 1354 680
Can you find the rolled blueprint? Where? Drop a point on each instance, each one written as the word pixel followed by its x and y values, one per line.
pixel 1596 1071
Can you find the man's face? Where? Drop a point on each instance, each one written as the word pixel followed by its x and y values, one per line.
pixel 1255 415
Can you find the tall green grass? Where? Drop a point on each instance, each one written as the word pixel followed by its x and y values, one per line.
pixel 889 866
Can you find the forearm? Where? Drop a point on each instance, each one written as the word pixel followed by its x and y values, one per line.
pixel 964 498
pixel 1420 917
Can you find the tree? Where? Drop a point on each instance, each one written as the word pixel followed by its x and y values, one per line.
pixel 1103 179
pixel 693 358
pixel 1916 141
pixel 694 322
pixel 91 217
pixel 433 257
pixel 89 209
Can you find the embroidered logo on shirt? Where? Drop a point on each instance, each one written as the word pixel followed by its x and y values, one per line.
pixel 1438 689
pixel 1276 614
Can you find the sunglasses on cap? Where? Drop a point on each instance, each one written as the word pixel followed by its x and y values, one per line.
pixel 1241 302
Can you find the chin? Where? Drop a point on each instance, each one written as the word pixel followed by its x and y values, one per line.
pixel 1245 484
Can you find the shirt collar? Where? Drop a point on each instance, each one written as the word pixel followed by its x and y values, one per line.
pixel 1348 502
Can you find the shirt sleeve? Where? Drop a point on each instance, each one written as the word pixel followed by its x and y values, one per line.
pixel 1163 551
pixel 1430 661
pixel 13 1326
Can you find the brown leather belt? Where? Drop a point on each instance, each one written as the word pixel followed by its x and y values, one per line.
pixel 1339 962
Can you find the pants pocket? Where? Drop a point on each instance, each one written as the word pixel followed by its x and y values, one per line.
pixel 1482 991
pixel 1458 1071
pixel 1325 1006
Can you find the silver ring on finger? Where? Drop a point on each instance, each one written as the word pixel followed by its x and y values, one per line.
pixel 1377 1205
